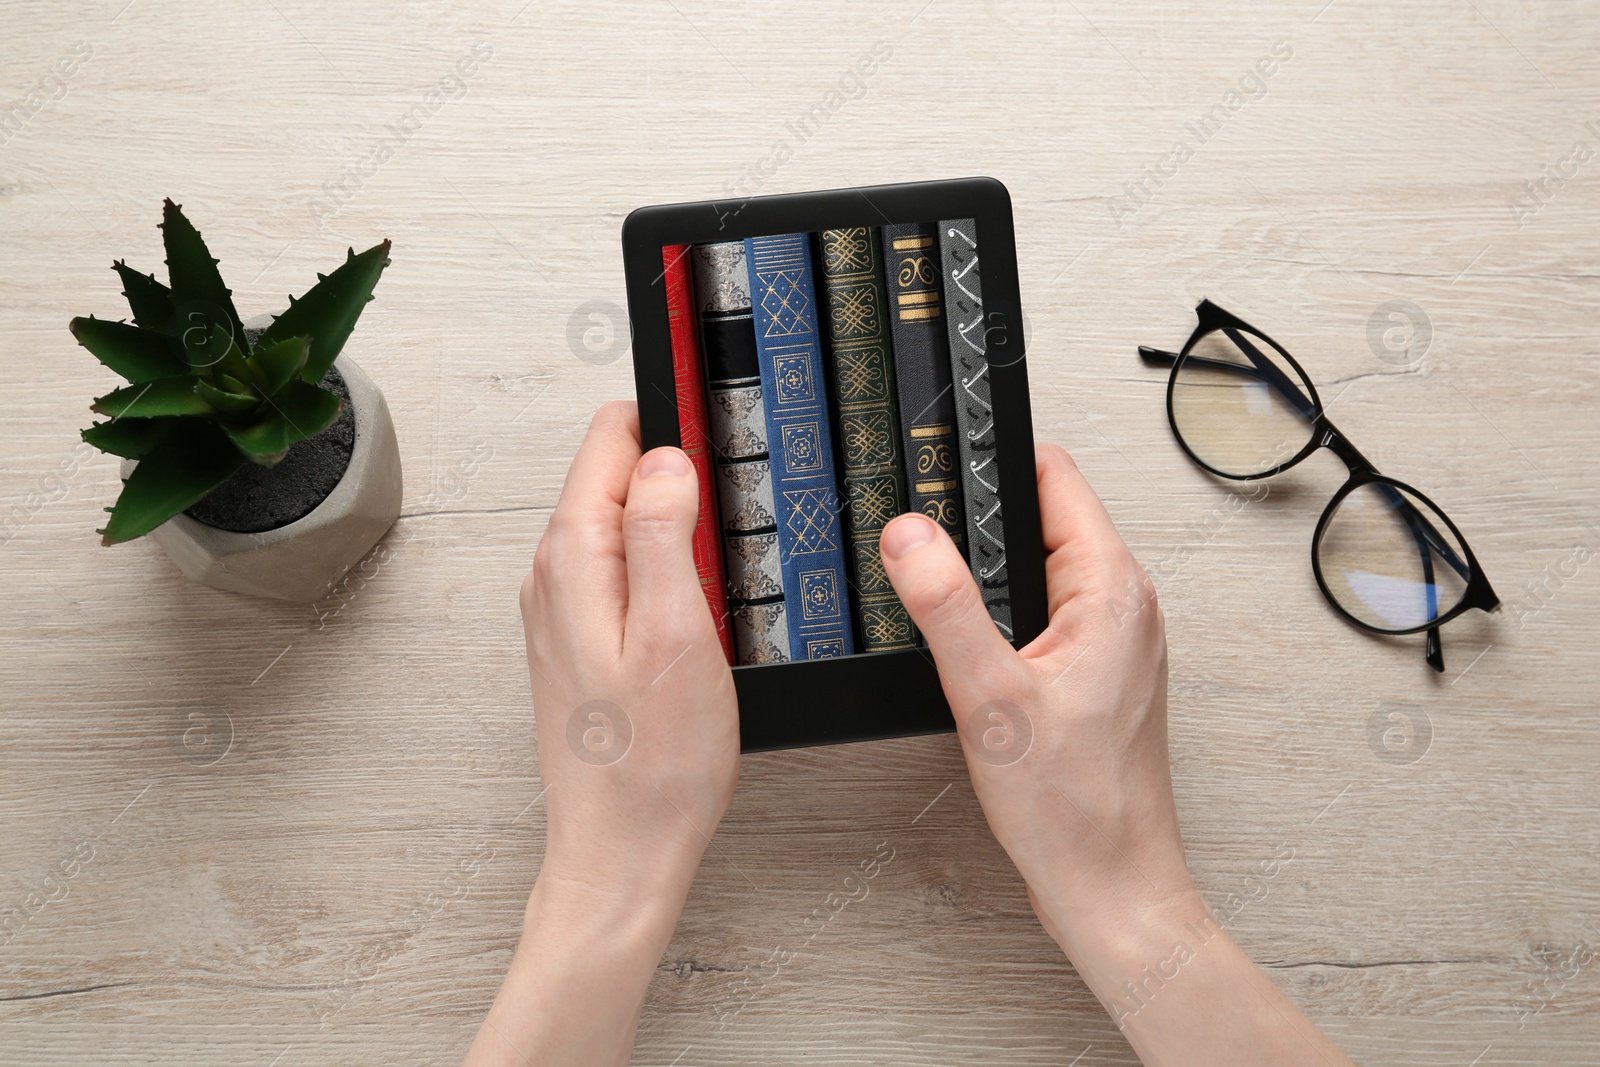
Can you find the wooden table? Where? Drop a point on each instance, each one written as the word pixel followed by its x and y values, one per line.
pixel 304 835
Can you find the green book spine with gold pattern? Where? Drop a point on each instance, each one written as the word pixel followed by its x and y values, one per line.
pixel 872 471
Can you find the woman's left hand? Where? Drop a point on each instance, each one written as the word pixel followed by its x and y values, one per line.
pixel 638 730
pixel 637 719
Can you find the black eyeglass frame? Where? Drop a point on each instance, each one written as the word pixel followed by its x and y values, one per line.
pixel 1478 594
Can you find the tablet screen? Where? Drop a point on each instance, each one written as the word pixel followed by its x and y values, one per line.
pixel 826 382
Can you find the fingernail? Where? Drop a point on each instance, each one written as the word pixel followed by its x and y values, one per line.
pixel 909 531
pixel 664 461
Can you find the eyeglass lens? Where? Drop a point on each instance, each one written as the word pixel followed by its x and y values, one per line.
pixel 1390 560
pixel 1241 408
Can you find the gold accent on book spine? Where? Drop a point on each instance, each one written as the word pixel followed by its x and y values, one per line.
pixel 935 487
pixel 931 431
pixel 913 314
pixel 910 244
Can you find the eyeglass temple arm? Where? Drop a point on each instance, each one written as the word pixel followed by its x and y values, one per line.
pixel 1427 535
pixel 1421 528
pixel 1273 374
pixel 1163 358
pixel 1263 371
pixel 1434 651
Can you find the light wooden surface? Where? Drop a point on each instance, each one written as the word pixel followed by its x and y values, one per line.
pixel 305 836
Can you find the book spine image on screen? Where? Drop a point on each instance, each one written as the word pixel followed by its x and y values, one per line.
pixel 799 436
pixel 922 374
pixel 738 426
pixel 975 444
pixel 871 474
pixel 694 433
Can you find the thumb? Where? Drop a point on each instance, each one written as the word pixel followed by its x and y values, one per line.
pixel 664 594
pixel 936 586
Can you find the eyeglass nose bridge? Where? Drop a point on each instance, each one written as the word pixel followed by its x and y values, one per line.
pixel 1326 435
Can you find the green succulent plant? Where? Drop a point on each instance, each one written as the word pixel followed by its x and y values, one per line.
pixel 202 400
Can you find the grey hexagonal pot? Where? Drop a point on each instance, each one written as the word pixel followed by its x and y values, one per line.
pixel 304 559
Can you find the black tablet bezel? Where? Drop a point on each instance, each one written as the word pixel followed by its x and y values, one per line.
pixel 874 695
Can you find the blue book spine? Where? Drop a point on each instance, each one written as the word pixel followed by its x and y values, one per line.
pixel 799 438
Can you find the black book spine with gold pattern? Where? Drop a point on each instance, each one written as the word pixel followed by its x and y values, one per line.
pixel 871 471
pixel 922 374
pixel 738 423
pixel 975 445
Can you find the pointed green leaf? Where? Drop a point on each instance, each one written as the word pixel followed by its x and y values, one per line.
pixel 150 300
pixel 277 364
pixel 212 347
pixel 138 354
pixel 300 411
pixel 197 287
pixel 231 384
pixel 192 459
pixel 233 405
pixel 329 310
pixel 264 441
pixel 164 396
pixel 128 438
pixel 308 409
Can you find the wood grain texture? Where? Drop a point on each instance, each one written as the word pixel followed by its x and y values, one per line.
pixel 309 832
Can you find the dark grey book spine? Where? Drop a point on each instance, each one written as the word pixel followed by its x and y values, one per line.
pixel 922 374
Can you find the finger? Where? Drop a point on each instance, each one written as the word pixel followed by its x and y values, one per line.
pixel 1075 515
pixel 665 601
pixel 598 479
pixel 1085 552
pixel 579 572
pixel 936 586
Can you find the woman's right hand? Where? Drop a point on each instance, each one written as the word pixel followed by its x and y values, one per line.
pixel 1066 742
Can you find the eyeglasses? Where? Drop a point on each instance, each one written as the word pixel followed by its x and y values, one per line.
pixel 1383 554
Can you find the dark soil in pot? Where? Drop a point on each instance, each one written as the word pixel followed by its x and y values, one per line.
pixel 257 498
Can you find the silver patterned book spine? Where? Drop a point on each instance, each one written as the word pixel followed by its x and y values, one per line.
pixel 738 425
pixel 969 373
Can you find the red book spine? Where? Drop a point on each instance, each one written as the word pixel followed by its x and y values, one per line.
pixel 695 433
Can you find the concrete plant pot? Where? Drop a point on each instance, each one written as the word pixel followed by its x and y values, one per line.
pixel 304 559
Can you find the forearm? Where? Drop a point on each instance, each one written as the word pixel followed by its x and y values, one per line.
pixel 579 975
pixel 1184 994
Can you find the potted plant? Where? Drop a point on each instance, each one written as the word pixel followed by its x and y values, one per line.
pixel 259 458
